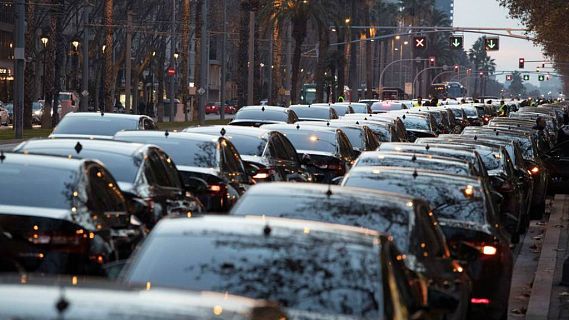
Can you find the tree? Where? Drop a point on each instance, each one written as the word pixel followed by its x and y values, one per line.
pixel 481 62
pixel 517 87
pixel 108 53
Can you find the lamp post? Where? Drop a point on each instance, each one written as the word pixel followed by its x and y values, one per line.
pixel 151 102
pixel 75 44
pixel 44 40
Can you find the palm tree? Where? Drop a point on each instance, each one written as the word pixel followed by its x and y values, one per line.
pixel 480 60
pixel 108 73
pixel 298 12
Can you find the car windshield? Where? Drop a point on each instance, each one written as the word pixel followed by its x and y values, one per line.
pixel 359 107
pixel 185 152
pixel 448 198
pixel 37 186
pixel 341 110
pixel 471 112
pixel 356 136
pixel 124 168
pixel 248 145
pixel 419 163
pixel 309 273
pixel 37 106
pixel 416 123
pixel 310 140
pixel 492 159
pixel 96 125
pixel 311 112
pixel 349 209
pixel 257 114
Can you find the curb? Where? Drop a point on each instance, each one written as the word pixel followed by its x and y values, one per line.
pixel 540 299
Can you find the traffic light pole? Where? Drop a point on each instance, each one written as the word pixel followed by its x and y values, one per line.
pixel 420 73
pixel 392 63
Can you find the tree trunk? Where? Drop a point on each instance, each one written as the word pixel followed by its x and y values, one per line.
pixel 160 92
pixel 242 69
pixel 353 74
pixel 30 70
pixel 277 48
pixel 109 67
pixel 198 58
pixel 185 52
pixel 341 66
pixel 321 66
pixel 60 50
pixel 46 122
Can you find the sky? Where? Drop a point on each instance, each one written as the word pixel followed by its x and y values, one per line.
pixel 488 13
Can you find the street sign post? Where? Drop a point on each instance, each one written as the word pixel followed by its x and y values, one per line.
pixel 492 44
pixel 456 42
pixel 420 42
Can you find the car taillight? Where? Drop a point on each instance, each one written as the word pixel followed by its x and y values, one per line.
pixel 480 301
pixel 535 170
pixel 489 250
pixel 57 238
pixel 264 173
pixel 217 187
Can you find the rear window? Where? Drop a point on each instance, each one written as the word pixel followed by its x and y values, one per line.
pixel 416 123
pixel 310 140
pixel 360 108
pixel 447 167
pixel 384 107
pixel 313 273
pixel 248 145
pixel 185 152
pixel 97 125
pixel 470 112
pixel 356 137
pixel 261 115
pixel 340 110
pixel 447 199
pixel 35 186
pixel 313 113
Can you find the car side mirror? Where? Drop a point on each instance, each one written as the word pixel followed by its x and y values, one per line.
pixel 306 159
pixel 196 185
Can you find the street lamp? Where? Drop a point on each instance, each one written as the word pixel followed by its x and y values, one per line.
pixel 75 44
pixel 176 55
pixel 44 40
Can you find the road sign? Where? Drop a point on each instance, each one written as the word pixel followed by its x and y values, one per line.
pixel 201 91
pixel 420 42
pixel 456 42
pixel 492 44
pixel 85 93
pixel 526 77
pixel 509 77
pixel 171 71
pixel 541 77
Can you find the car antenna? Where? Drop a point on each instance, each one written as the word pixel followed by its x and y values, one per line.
pixel 427 147
pixel 166 133
pixel 222 132
pixel 62 304
pixel 267 230
pixel 263 108
pixel 2 157
pixel 357 122
pixel 414 158
pixel 102 112
pixel 329 191
pixel 415 174
pixel 78 147
pixel 475 138
pixel 404 117
pixel 297 127
pixel 328 123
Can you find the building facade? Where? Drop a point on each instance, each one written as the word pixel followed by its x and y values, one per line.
pixel 6 51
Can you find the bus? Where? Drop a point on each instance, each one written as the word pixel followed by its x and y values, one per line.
pixel 451 90
pixel 308 93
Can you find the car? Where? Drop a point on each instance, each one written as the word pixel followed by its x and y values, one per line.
pixel 385 106
pixel 369 102
pixel 37 111
pixel 557 162
pixel 316 112
pixel 315 270
pixel 145 174
pixel 411 160
pixel 358 107
pixel 342 109
pixel 270 154
pixel 255 116
pixel 210 166
pixel 361 137
pixel 469 221
pixel 9 107
pixel 29 297
pixel 99 125
pixel 216 108
pixel 326 152
pixel 415 231
pixel 393 129
pixel 418 125
pixel 63 215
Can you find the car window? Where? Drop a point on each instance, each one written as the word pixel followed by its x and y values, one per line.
pixel 96 125
pixel 289 148
pixel 170 170
pixel 232 162
pixel 372 140
pixel 419 163
pixel 277 150
pixel 344 145
pixel 334 277
pixel 434 241
pixel 104 194
pixel 257 114
pixel 155 171
pixel 249 145
pixel 148 124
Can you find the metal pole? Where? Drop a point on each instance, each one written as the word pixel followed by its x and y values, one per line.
pixel 19 57
pixel 84 103
pixel 421 72
pixel 392 63
pixel 223 46
pixel 128 71
pixel 204 64
pixel 251 51
pixel 270 67
pixel 172 49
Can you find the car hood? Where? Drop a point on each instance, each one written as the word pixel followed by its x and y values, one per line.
pixel 465 225
pixel 79 136
pixel 62 214
pixel 255 159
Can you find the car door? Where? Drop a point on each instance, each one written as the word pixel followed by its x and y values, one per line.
pixel 557 161
pixel 291 164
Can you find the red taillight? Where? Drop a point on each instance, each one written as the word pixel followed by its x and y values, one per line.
pixel 217 187
pixel 535 170
pixel 489 250
pixel 264 173
pixel 480 301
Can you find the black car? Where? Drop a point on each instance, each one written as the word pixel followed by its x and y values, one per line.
pixel 28 297
pixel 91 125
pixel 387 129
pixel 361 137
pixel 314 112
pixel 63 215
pixel 315 270
pixel 418 125
pixel 270 154
pixel 146 175
pixel 414 230
pixel 342 109
pixel 557 162
pixel 472 228
pixel 420 161
pixel 326 152
pixel 255 116
pixel 358 107
pixel 210 166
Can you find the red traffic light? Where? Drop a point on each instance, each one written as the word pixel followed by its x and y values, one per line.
pixel 432 61
pixel 521 63
pixel 457 69
pixel 171 71
pixel 509 77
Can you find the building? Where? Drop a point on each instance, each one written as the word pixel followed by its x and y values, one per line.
pixel 447 7
pixel 6 50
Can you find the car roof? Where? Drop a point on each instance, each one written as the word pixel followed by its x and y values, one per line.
pixel 105 146
pixel 413 173
pixel 257 225
pixel 410 146
pixel 297 126
pixel 167 135
pixel 426 157
pixel 232 130
pixel 41 161
pixel 107 115
pixel 266 108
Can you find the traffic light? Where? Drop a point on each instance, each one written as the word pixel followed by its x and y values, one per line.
pixel 420 42
pixel 468 72
pixel 526 77
pixel 541 77
pixel 432 61
pixel 509 77
pixel 456 69
pixel 481 74
pixel 492 44
pixel 522 63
